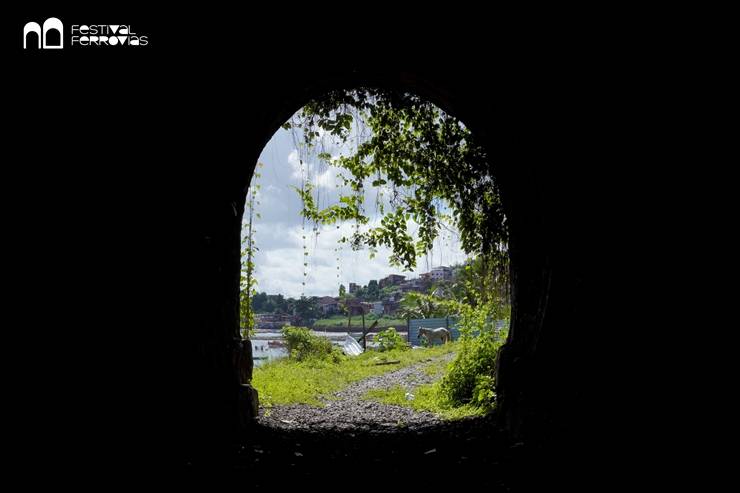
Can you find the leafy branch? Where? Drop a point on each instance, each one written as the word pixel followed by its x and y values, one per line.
pixel 427 161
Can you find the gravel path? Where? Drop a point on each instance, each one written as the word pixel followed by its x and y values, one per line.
pixel 363 443
pixel 347 411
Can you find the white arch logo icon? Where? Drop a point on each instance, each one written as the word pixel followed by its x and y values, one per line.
pixel 51 25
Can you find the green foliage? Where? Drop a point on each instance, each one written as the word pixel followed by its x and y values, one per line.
pixel 388 291
pixel 346 302
pixel 247 281
pixel 261 303
pixel 429 162
pixel 307 309
pixel 373 291
pixel 484 392
pixel 425 398
pixel 272 303
pixel 482 279
pixel 341 321
pixel 469 379
pixel 419 305
pixel 435 176
pixel 304 345
pixel 389 339
pixel 289 381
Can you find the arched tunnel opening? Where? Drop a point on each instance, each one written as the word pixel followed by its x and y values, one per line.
pixel 342 407
pixel 539 369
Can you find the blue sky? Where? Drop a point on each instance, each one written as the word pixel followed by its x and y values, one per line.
pixel 279 233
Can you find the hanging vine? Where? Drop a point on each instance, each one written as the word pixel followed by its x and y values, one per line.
pixel 247 281
pixel 435 174
pixel 313 148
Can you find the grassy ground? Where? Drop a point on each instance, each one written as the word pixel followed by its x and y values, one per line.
pixel 425 398
pixel 287 381
pixel 341 321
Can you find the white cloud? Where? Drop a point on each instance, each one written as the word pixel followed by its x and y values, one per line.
pixel 295 164
pixel 279 261
pixel 280 270
pixel 327 178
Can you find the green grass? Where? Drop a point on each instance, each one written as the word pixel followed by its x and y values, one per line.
pixel 287 381
pixel 341 321
pixel 426 398
pixel 437 368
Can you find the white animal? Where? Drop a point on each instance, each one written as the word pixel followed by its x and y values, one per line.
pixel 432 335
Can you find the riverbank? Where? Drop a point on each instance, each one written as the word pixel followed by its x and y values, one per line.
pixel 357 327
pixel 340 322
pixel 270 345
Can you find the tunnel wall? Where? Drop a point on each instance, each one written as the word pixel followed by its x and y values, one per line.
pixel 143 217
pixel 540 371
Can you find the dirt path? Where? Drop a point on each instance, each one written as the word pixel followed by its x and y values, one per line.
pixel 347 411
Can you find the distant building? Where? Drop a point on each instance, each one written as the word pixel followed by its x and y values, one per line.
pixel 441 273
pixel 328 305
pixel 405 287
pixel 353 288
pixel 418 285
pixel 391 280
pixel 377 308
pixel 358 307
pixel 272 321
pixel 390 307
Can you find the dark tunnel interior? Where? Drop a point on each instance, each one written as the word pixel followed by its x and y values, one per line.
pixel 128 247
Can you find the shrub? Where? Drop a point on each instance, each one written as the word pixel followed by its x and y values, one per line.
pixel 484 393
pixel 469 379
pixel 389 339
pixel 303 345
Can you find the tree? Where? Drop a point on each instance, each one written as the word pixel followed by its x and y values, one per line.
pixel 270 305
pixel 346 304
pixel 431 165
pixel 342 291
pixel 409 312
pixel 259 302
pixel 480 280
pixel 361 293
pixel 373 291
pixel 416 305
pixel 306 309
pixel 388 291
pixel 281 304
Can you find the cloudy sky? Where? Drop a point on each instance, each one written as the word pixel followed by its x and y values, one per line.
pixel 279 231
